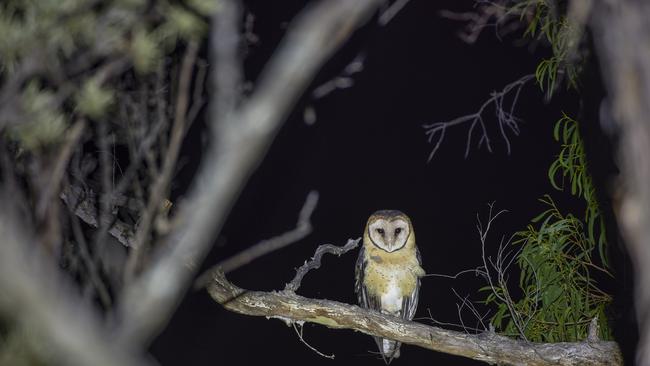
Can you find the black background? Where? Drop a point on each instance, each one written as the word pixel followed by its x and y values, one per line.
pixel 367 151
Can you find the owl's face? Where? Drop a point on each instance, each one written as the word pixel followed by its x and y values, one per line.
pixel 389 230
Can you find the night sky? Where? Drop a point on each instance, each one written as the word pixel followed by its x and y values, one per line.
pixel 368 151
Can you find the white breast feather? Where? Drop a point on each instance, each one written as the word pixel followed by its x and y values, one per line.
pixel 391 300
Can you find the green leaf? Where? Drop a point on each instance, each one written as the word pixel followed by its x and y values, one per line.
pixel 93 100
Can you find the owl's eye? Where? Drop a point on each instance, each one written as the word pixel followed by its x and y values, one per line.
pixel 380 231
pixel 398 230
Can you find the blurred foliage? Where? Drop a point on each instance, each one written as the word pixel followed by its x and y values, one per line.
pixel 93 100
pixel 20 347
pixel 547 21
pixel 43 124
pixel 59 54
pixel 558 271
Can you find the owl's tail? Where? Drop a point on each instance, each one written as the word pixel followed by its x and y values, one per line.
pixel 388 348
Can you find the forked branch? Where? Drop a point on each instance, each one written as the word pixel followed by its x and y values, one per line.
pixel 506 119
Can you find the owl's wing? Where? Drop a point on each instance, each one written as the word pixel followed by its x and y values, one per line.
pixel 365 299
pixel 410 303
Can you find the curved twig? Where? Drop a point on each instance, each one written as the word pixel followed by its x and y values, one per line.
pixel 314 262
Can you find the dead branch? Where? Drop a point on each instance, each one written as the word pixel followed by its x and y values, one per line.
pixel 487 346
pixel 506 120
pixel 162 181
pixel 387 15
pixel 486 14
pixel 299 333
pixel 314 262
pixel 303 229
pixel 241 140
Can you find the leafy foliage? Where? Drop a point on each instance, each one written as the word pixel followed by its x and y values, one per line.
pixel 571 164
pixel 559 295
pixel 559 292
pixel 547 20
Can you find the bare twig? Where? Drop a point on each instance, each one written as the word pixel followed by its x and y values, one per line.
pixel 466 303
pixel 438 322
pixel 506 120
pixel 106 173
pixel 487 346
pixel 342 81
pixel 54 179
pixel 242 139
pixel 89 262
pixel 476 271
pixel 501 269
pixel 487 14
pixel 315 261
pixel 302 339
pixel 161 183
pixel 303 229
pixel 387 15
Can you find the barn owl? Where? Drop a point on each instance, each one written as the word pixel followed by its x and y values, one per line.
pixel 388 271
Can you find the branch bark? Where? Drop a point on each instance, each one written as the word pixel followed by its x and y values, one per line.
pixel 487 346
pixel 315 261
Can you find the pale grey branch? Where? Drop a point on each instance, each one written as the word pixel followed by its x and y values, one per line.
pixel 242 138
pixel 506 120
pixel 303 229
pixel 487 346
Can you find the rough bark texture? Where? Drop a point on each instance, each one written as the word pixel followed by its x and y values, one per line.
pixel 488 346
pixel 621 31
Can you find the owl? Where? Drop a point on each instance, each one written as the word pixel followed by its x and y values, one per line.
pixel 388 271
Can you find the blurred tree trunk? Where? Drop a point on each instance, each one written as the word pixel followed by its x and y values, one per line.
pixel 621 31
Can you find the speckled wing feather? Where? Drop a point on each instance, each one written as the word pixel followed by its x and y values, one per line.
pixel 410 303
pixel 366 300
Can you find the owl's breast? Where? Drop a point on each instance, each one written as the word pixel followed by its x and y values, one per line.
pixel 390 283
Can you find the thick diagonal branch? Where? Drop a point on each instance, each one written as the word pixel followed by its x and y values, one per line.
pixel 488 346
pixel 242 139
